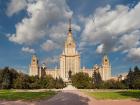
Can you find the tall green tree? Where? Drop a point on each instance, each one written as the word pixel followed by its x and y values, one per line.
pixel 136 80
pixel 130 78
pixel 81 80
pixel 133 78
pixel 59 83
pixel 22 81
pixel 97 80
pixel 7 76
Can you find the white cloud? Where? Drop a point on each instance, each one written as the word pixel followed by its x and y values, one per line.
pixel 129 41
pixel 42 14
pixel 28 50
pixel 100 48
pixel 49 45
pixel 51 60
pixel 14 6
pixel 134 54
pixel 111 28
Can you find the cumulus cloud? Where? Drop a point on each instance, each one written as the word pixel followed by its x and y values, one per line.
pixel 42 14
pixel 28 50
pixel 128 41
pixel 100 48
pixel 49 45
pixel 14 6
pixel 134 54
pixel 112 28
pixel 51 60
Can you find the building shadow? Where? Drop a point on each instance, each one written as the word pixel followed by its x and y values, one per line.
pixel 66 98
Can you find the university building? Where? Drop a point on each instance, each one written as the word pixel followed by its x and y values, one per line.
pixel 69 63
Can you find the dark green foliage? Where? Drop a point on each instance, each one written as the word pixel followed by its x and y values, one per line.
pixel 97 80
pixel 10 78
pixel 133 78
pixel 7 77
pixel 131 82
pixel 59 83
pixel 21 82
pixel 82 81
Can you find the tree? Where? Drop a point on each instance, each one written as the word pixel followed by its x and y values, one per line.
pixel 81 80
pixel 130 78
pixel 133 78
pixel 10 78
pixel 136 80
pixel 97 80
pixel 34 82
pixel 7 76
pixel 21 82
pixel 50 82
pixel 59 83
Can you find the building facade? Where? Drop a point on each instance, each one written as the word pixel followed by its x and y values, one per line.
pixel 70 63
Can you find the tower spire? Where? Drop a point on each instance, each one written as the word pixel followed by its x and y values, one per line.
pixel 69 34
pixel 70 25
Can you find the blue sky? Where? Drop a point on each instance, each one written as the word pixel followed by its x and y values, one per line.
pixel 99 26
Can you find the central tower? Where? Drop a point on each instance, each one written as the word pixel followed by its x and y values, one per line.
pixel 70 58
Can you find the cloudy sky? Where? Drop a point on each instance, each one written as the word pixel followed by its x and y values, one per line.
pixel 99 26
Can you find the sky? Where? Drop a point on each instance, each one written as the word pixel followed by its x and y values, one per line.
pixel 98 26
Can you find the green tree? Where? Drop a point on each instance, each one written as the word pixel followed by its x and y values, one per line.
pixel 97 80
pixel 59 83
pixel 50 82
pixel 10 78
pixel 81 80
pixel 34 82
pixel 22 81
pixel 136 80
pixel 133 78
pixel 7 76
pixel 130 78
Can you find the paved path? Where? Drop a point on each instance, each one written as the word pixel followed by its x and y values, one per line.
pixel 69 97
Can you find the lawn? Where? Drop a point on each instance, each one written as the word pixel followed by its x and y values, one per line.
pixel 127 94
pixel 28 96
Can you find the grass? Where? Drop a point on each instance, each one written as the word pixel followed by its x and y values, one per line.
pixel 116 95
pixel 28 96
